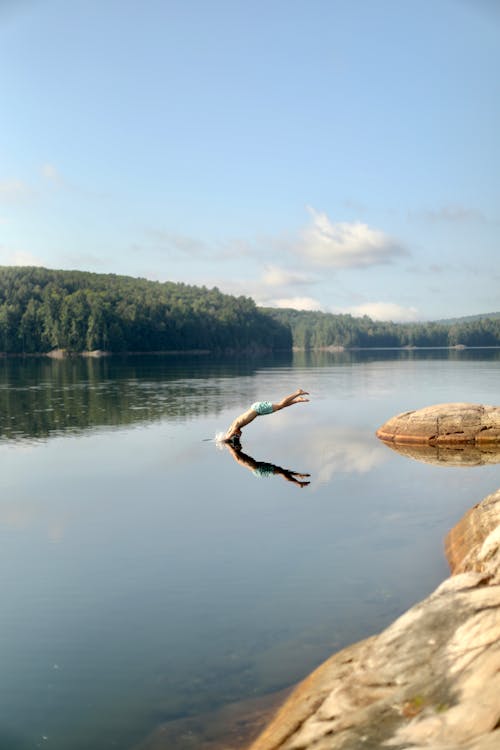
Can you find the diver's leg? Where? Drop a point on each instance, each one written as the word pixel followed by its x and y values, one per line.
pixel 293 398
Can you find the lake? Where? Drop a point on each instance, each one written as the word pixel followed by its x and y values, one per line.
pixel 147 576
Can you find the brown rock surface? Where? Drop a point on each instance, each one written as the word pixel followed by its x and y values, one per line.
pixel 467 538
pixel 445 424
pixel 430 681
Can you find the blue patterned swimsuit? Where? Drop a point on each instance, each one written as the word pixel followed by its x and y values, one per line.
pixel 263 407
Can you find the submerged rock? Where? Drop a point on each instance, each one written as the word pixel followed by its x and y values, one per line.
pixel 429 681
pixel 444 424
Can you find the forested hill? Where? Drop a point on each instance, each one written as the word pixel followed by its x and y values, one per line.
pixel 314 330
pixel 469 318
pixel 41 309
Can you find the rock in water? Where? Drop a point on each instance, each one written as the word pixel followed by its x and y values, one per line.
pixel 444 424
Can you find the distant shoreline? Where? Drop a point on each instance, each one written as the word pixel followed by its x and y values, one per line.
pixel 59 354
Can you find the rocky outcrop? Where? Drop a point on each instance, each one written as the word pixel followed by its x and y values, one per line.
pixel 431 681
pixel 445 424
pixel 465 543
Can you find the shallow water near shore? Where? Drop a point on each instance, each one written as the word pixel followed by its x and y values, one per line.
pixel 147 577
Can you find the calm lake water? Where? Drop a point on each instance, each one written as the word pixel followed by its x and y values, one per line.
pixel 145 575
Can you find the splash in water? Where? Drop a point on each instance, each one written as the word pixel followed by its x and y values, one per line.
pixel 219 439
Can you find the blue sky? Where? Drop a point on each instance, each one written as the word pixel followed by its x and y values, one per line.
pixel 340 155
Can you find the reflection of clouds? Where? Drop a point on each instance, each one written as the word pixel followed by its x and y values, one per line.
pixel 56 531
pixel 21 516
pixel 15 516
pixel 294 436
pixel 335 450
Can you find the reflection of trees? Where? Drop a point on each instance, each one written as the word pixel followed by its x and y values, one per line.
pixel 357 356
pixel 39 397
pixel 264 468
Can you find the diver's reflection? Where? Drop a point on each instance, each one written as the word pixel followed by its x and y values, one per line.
pixel 264 469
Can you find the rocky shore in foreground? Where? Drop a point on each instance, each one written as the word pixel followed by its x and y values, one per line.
pixel 431 680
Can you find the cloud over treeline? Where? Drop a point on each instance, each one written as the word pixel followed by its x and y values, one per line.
pixel 276 276
pixel 297 303
pixel 346 245
pixel 384 311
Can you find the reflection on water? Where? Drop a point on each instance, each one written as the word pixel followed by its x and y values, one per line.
pixel 147 580
pixel 458 455
pixel 331 450
pixel 264 469
pixel 353 356
pixel 41 397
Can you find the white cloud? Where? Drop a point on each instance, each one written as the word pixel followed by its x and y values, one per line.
pixel 296 303
pixel 383 311
pixel 275 276
pixel 9 257
pixel 346 245
pixel 87 261
pixel 13 191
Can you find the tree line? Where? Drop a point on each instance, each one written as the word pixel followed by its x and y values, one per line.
pixel 42 309
pixel 317 330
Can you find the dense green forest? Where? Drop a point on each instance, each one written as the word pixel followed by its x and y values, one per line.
pixel 313 330
pixel 41 310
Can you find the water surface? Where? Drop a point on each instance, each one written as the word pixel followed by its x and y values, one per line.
pixel 147 576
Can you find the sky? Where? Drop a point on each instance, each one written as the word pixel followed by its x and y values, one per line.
pixel 335 155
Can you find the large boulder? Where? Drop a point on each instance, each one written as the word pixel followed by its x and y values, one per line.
pixel 430 681
pixel 444 424
pixel 464 544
